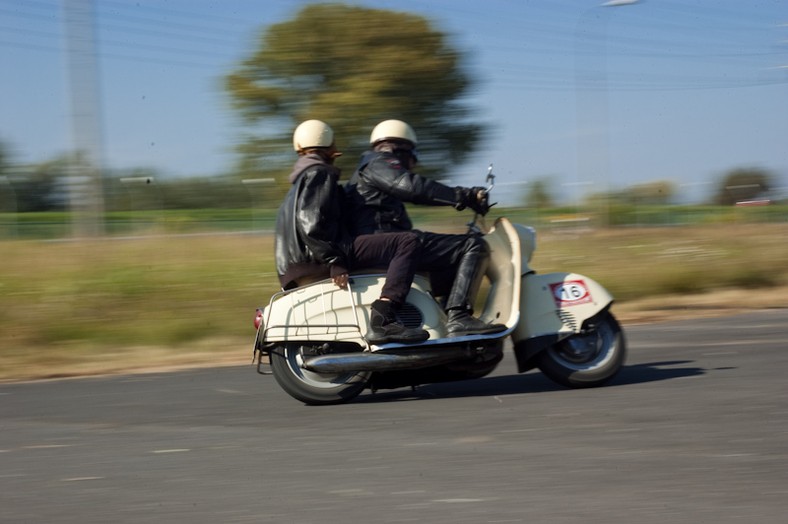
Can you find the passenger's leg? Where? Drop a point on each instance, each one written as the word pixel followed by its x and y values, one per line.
pixel 399 253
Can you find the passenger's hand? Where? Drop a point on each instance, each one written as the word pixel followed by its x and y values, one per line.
pixel 341 280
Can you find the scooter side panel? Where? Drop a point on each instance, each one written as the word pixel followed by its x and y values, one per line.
pixel 324 312
pixel 317 311
pixel 558 303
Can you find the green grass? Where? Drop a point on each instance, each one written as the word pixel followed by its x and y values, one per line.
pixel 67 303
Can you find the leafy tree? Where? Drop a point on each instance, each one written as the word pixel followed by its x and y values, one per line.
pixel 744 183
pixel 352 67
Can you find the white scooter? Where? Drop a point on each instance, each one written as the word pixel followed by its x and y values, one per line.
pixel 311 338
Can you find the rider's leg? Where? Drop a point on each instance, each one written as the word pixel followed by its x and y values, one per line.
pixel 470 254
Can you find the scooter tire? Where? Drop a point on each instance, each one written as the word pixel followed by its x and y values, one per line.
pixel 589 359
pixel 311 388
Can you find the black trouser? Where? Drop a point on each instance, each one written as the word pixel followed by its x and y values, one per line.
pixel 398 252
pixel 456 264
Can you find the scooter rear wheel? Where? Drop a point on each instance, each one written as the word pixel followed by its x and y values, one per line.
pixel 309 387
pixel 586 359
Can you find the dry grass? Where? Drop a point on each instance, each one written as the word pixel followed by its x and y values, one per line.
pixel 69 308
pixel 69 305
pixel 637 263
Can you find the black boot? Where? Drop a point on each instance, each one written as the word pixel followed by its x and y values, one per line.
pixel 461 323
pixel 384 327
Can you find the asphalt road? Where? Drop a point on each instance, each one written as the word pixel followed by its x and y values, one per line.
pixel 694 429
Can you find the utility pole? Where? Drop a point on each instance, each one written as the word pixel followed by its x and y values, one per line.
pixel 85 185
pixel 593 97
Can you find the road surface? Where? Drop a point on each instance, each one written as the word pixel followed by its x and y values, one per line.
pixel 694 429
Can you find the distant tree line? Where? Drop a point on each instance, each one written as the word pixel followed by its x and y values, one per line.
pixel 737 186
pixel 45 187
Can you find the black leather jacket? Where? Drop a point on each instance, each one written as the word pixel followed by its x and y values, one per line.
pixel 311 234
pixel 381 184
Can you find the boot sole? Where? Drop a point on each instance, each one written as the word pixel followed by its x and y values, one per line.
pixel 488 331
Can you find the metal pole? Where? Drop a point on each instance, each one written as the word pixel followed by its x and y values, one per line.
pixel 86 199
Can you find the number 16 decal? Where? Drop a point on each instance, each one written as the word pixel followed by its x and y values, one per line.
pixel 570 293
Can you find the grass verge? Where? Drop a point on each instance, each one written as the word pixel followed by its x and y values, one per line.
pixel 70 308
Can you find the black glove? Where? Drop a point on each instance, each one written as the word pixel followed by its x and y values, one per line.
pixel 474 198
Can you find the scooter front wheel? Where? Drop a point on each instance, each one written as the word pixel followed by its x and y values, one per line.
pixel 587 359
pixel 309 387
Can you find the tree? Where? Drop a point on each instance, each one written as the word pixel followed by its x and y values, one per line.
pixel 4 158
pixel 7 193
pixel 653 193
pixel 745 183
pixel 40 187
pixel 539 195
pixel 352 67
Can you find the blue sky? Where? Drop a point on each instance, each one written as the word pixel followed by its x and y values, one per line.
pixel 592 97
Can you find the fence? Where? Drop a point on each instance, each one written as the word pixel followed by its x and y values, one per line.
pixel 58 225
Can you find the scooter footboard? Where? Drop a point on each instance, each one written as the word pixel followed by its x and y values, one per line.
pixel 555 305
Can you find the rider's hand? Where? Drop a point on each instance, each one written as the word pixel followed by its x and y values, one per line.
pixel 474 198
pixel 482 204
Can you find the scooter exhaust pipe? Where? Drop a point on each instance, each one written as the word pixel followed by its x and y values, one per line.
pixel 378 361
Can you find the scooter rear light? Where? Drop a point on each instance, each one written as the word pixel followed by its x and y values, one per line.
pixel 258 318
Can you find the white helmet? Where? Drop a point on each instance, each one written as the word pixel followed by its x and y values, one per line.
pixel 312 133
pixel 393 129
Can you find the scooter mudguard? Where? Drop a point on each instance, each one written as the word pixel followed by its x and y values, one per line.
pixel 554 306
